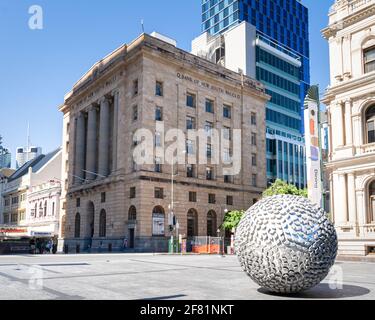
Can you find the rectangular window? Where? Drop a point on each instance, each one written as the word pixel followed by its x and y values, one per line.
pixel 103 197
pixel 191 100
pixel 228 179
pixel 158 142
pixel 135 87
pixel 209 106
pixel 371 131
pixel 190 171
pixel 78 202
pixel 190 123
pixel 212 198
pixel 254 160
pixel 254 180
pixel 253 119
pixel 209 151
pixel 15 200
pixel 227 155
pixel 227 133
pixel 14 218
pixel 208 126
pixel 159 89
pixel 158 165
pixel 192 196
pixel 132 193
pixel 369 59
pixel 230 200
pixel 209 173
pixel 135 113
pixel 159 114
pixel 253 139
pixel 189 147
pixel 227 112
pixel 159 193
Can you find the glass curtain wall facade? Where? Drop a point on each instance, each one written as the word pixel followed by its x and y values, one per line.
pixel 282 25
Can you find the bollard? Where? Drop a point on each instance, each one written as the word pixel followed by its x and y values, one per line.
pixel 77 248
pixel 110 247
pixel 66 249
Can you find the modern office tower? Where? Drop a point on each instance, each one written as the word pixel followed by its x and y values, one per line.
pixel 26 154
pixel 5 156
pixel 267 39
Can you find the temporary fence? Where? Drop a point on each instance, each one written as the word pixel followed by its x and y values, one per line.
pixel 206 245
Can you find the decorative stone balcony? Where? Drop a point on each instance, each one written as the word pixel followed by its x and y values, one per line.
pixel 368 148
pixel 356 5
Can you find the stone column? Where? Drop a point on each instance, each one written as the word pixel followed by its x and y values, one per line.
pixel 348 122
pixel 343 199
pixel 80 149
pixel 352 208
pixel 91 144
pixel 362 214
pixel 331 198
pixel 115 129
pixel 339 132
pixel 339 199
pixel 103 165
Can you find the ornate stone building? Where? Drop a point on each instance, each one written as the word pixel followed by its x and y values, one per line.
pixel 350 100
pixel 108 197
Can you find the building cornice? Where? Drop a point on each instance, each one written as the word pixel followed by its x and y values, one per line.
pixel 352 161
pixel 347 86
pixel 121 57
pixel 351 19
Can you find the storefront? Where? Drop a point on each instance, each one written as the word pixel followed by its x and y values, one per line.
pixel 14 240
pixel 42 237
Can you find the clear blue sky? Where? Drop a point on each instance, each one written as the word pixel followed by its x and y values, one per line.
pixel 38 67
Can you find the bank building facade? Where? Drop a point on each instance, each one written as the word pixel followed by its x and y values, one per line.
pixel 350 101
pixel 108 199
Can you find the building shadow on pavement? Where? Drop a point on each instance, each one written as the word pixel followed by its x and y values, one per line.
pixel 323 291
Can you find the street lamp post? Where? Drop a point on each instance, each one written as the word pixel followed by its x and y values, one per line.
pixel 225 211
pixel 172 204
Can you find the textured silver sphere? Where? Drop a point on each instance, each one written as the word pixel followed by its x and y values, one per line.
pixel 286 244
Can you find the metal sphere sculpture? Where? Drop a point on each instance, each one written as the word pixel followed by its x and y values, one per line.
pixel 286 244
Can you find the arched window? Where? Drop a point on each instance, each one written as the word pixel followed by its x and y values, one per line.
pixel 211 223
pixel 132 216
pixel 158 218
pixel 77 226
pixel 192 223
pixel 370 124
pixel 45 208
pixel 372 202
pixel 102 224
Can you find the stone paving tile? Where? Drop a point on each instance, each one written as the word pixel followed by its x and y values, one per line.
pixel 148 276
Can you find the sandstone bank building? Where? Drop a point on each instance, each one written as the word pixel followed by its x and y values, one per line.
pixel 108 197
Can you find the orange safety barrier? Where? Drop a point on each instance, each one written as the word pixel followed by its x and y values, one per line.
pixel 213 248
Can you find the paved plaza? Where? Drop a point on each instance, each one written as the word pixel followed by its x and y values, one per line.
pixel 160 277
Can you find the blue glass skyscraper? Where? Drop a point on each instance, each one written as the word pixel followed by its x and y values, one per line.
pixel 282 25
